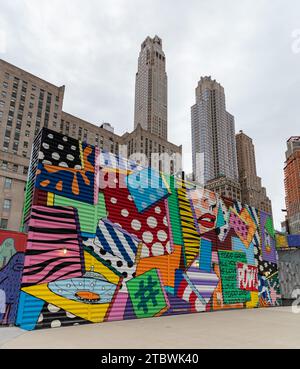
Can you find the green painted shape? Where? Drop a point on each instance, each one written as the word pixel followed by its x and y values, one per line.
pixel 7 251
pixel 89 215
pixel 146 294
pixel 220 220
pixel 173 206
pixel 270 227
pixel 228 267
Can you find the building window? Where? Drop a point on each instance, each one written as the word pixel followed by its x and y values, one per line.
pixel 7 183
pixel 5 84
pixel 15 168
pixel 2 104
pixel 4 165
pixel 25 170
pixel 3 223
pixel 7 205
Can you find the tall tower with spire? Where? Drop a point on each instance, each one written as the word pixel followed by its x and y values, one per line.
pixel 151 89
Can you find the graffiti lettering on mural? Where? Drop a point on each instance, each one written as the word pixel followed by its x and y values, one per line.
pixel 247 277
pixel 110 240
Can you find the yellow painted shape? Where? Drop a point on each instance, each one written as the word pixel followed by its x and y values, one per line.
pixel 253 303
pixel 92 264
pixel 81 154
pixel 94 313
pixel 50 199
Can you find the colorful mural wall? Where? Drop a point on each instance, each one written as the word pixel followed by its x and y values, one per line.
pixel 111 240
pixel 12 247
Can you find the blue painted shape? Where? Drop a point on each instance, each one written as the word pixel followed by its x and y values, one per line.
pixel 29 311
pixel 146 188
pixel 237 245
pixel 69 287
pixel 205 255
pixel 293 240
pixel 220 219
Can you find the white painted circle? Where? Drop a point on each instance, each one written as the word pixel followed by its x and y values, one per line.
pixel 152 222
pixel 147 237
pixel 157 210
pixel 125 213
pixel 162 236
pixel 56 324
pixel 158 249
pixel 53 309
pixel 136 225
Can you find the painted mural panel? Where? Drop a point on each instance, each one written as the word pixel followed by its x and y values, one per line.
pixel 111 240
pixel 12 246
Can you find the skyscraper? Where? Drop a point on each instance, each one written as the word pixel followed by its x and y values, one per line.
pixel 213 137
pixel 151 89
pixel 253 193
pixel 292 184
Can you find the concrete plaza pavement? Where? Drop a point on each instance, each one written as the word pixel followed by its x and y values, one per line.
pixel 258 328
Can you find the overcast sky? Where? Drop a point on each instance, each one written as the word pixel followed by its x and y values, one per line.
pixel 251 47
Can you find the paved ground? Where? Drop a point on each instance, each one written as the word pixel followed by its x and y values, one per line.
pixel 262 328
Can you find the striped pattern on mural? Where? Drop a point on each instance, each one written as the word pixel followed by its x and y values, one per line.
pixel 191 237
pixel 53 251
pixel 115 242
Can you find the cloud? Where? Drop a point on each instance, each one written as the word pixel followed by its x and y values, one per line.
pixel 92 47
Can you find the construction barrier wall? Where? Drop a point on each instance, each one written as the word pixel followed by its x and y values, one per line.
pixel 111 240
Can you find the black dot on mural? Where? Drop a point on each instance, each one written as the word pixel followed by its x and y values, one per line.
pixel 125 275
pixel 225 230
pixel 218 231
pixel 130 264
pixel 91 248
pixel 108 262
pixel 133 275
pixel 102 252
pixel 119 264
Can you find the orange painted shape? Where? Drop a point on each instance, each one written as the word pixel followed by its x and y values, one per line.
pixel 167 264
pixel 45 183
pixel 59 186
pixel 88 296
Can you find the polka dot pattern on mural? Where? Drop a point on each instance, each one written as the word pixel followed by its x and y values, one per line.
pixel 151 227
pixel 57 151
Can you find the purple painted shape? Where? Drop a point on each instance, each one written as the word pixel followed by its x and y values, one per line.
pixel 177 306
pixel 266 239
pixel 118 308
pixel 10 280
pixel 129 312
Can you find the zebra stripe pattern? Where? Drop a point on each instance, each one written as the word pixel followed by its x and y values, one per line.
pixel 53 251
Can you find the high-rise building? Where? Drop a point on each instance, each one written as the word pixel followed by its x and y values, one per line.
pixel 213 140
pixel 253 193
pixel 151 89
pixel 292 184
pixel 142 146
pixel 28 103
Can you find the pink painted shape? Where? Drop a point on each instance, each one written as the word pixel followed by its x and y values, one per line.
pixel 118 308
